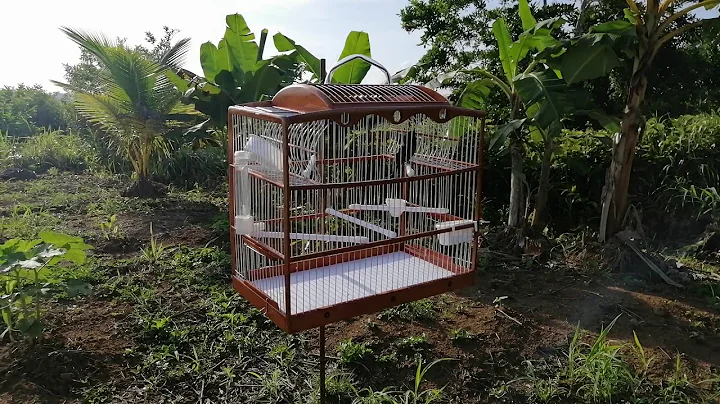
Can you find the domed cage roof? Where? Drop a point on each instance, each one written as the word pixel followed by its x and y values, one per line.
pixel 306 98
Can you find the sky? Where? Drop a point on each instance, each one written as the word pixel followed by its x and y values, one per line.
pixel 34 49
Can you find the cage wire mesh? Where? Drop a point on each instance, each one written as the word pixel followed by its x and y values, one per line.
pixel 340 197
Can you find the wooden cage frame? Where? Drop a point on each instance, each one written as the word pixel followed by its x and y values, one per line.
pixel 311 103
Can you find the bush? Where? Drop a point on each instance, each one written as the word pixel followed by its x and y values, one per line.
pixel 187 167
pixel 48 149
pixel 676 172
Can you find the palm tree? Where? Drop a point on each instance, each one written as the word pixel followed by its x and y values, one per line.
pixel 137 106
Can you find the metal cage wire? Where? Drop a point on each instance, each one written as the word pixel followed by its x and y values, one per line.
pixel 366 215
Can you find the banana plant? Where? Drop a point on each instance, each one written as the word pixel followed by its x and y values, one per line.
pixel 539 100
pixel 646 29
pixel 636 40
pixel 235 72
pixel 518 63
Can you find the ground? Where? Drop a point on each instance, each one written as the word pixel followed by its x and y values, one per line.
pixel 163 324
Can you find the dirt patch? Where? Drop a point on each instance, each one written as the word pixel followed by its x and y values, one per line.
pixel 84 343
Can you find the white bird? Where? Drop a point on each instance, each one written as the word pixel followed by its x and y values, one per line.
pixel 409 171
pixel 307 172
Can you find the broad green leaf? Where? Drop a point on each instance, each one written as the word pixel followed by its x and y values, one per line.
pixel 528 21
pixel 26 245
pixel 226 81
pixel 212 61
pixel 285 44
pixel 582 63
pixel 545 88
pixel 502 132
pixel 630 16
pixel 357 42
pixel 179 83
pixel 236 23
pixel 76 256
pixel 58 239
pixel 502 35
pixel 31 327
pixel 76 287
pixel 610 123
pixel 475 94
pixel 712 5
pixel 265 82
pixel 7 316
pixel 242 51
pixel 549 25
pixel 619 27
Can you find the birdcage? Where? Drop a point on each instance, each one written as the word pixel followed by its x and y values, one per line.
pixel 349 199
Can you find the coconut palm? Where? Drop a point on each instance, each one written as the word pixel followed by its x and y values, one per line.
pixel 137 106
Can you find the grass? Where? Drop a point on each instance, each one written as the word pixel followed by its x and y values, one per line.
pixel 190 337
pixel 25 221
pixel 350 352
pixel 608 372
pixel 63 151
pixel 425 309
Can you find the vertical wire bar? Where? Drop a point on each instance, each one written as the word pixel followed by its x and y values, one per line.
pixel 478 195
pixel 286 218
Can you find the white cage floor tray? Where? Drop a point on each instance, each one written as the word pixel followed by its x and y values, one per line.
pixel 325 286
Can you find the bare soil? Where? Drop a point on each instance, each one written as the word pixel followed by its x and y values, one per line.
pixel 88 340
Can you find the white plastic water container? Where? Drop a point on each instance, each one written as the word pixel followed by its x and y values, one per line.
pixel 266 153
pixel 457 236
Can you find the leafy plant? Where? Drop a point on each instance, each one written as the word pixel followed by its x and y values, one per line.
pixel 235 72
pixel 424 309
pixel 138 107
pixel 155 250
pixel 26 267
pixel 110 228
pixel 413 343
pixel 462 334
pixel 351 352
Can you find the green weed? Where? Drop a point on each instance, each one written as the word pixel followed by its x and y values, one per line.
pixel 351 352
pixel 155 250
pixel 425 309
pixel 26 268
pixel 462 334
pixel 110 228
pixel 414 343
pixel 25 221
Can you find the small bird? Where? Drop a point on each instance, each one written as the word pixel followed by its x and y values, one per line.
pixel 409 171
pixel 307 172
pixel 407 150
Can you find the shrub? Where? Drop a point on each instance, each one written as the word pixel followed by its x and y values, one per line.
pixel 64 151
pixel 186 167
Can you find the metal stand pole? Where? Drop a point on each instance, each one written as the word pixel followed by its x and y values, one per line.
pixel 322 364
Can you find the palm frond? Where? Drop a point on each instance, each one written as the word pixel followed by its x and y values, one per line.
pixel 175 56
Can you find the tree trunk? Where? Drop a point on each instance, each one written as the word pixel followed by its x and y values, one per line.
pixel 516 216
pixel 617 180
pixel 538 222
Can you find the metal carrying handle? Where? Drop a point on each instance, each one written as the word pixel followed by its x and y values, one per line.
pixel 347 59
